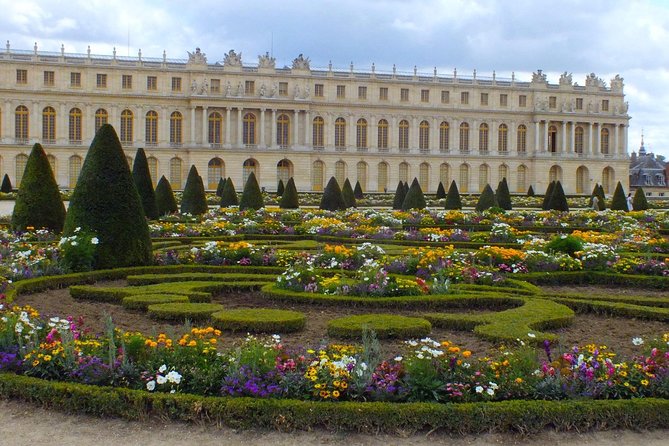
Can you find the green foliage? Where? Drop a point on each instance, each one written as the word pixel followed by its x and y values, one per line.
pixel 639 202
pixel 441 192
pixel 332 199
pixel 453 200
pixel 530 191
pixel 567 244
pixel 584 304
pixel 280 188
pixel 38 202
pixel 229 195
pixel 165 201
pixel 180 311
pixel 400 193
pixel 558 200
pixel 289 199
pixel 6 185
pixel 503 196
pixel 602 197
pixel 357 191
pixel 259 320
pixel 619 202
pixel 142 301
pixel 486 199
pixel 194 199
pixel 598 278
pixel 414 199
pixel 348 195
pixel 251 196
pixel 77 252
pixel 106 203
pixel 142 178
pixel 547 195
pixel 219 188
pixel 384 325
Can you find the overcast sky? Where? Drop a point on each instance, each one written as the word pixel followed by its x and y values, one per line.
pixel 630 38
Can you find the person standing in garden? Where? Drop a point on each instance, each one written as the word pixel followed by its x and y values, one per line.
pixel 629 202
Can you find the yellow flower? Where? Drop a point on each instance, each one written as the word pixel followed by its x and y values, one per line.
pixel 335 393
pixel 47 358
pixel 466 354
pixel 518 380
pixel 644 382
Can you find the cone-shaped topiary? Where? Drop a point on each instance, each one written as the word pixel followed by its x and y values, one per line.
pixel 503 196
pixel 619 202
pixel 558 200
pixel 602 197
pixel 38 202
pixel 453 200
pixel 332 199
pixel 165 201
pixel 547 195
pixel 441 192
pixel 106 203
pixel 357 191
pixel 280 188
pixel 348 195
pixel 289 199
pixel 639 202
pixel 414 199
pixel 400 193
pixel 229 195
pixel 6 185
pixel 142 178
pixel 219 188
pixel 486 199
pixel 194 200
pixel 530 191
pixel 251 196
pixel 406 188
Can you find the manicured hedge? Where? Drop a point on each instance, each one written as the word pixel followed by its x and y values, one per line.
pixel 147 279
pixel 182 311
pixel 616 309
pixel 259 320
pixel 597 278
pixel 384 325
pixel 142 301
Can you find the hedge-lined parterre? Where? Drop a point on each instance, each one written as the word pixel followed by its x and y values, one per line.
pixel 384 325
pixel 259 320
pixel 142 301
pixel 177 311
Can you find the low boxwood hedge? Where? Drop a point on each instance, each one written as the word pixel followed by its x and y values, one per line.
pixel 384 325
pixel 259 320
pixel 148 279
pixel 142 301
pixel 616 308
pixel 182 311
pixel 597 278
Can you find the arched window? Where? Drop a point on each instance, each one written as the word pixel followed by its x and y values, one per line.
pixel 464 178
pixel 249 130
pixel 317 136
pixel 361 168
pixel 521 142
pixel 21 118
pixel 284 171
pixel 215 128
pixel 75 126
pixel 52 163
pixel 424 136
pixel 152 161
pixel 21 161
pixel 444 131
pixel 484 132
pixel 445 175
pixel 250 165
pixel 578 140
pixel 521 179
pixel 403 141
pixel 604 141
pixel 382 177
pixel 424 177
pixel 340 172
pixel 552 139
pixel 382 134
pixel 404 172
pixel 503 138
pixel 464 137
pixel 503 172
pixel 361 134
pixel 49 125
pixel 127 137
pixel 582 179
pixel 75 170
pixel 555 173
pixel 282 130
pixel 176 169
pixel 101 118
pixel 608 179
pixel 151 136
pixel 484 176
pixel 340 133
pixel 215 171
pixel 317 175
pixel 176 125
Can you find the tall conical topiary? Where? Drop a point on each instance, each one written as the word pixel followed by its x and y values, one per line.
pixel 289 199
pixel 406 188
pixel 142 178
pixel 547 195
pixel 229 195
pixel 503 196
pixel 619 202
pixel 220 186
pixel 165 201
pixel 441 192
pixel 280 188
pixel 453 200
pixel 530 191
pixel 558 200
pixel 6 185
pixel 332 199
pixel 251 196
pixel 194 200
pixel 38 202
pixel 348 195
pixel 486 199
pixel 602 197
pixel 400 193
pixel 414 199
pixel 639 202
pixel 106 203
pixel 357 191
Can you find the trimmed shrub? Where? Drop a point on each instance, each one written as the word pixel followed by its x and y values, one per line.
pixel 142 179
pixel 384 325
pixel 229 195
pixel 142 301
pixel 594 193
pixel 106 203
pixel 182 311
pixel 194 199
pixel 639 202
pixel 259 320
pixel 503 196
pixel 165 201
pixel 348 195
pixel 332 199
pixel 251 196
pixel 6 185
pixel 400 194
pixel 453 200
pixel 602 197
pixel 619 202
pixel 530 191
pixel 486 199
pixel 289 199
pixel 357 191
pixel 414 199
pixel 38 202
pixel 547 195
pixel 558 200
pixel 280 188
pixel 441 192
pixel 567 244
pixel 219 188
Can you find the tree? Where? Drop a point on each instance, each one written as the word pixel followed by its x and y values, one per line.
pixel 530 191
pixel 106 203
pixel 357 191
pixel 453 200
pixel 558 200
pixel 38 202
pixel 332 199
pixel 194 200
pixel 165 201
pixel 406 188
pixel 619 202
pixel 142 178
pixel 348 195
pixel 639 202
pixel 400 193
pixel 547 195
pixel 251 196
pixel 503 196
pixel 280 188
pixel 6 185
pixel 441 192
pixel 486 199
pixel 602 197
pixel 414 199
pixel 229 195
pixel 219 188
pixel 289 199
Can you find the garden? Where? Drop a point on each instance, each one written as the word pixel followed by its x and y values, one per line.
pixel 266 312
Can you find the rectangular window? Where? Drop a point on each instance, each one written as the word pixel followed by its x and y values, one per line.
pixel 75 79
pixel 49 78
pixel 445 96
pixel 579 103
pixel 318 90
pixel 176 84
pixel 425 96
pixel 404 95
pixel 522 100
pixel 22 77
pixel 552 102
pixel 464 97
pixel 126 81
pixel 362 92
pixel 484 98
pixel 249 87
pixel 383 93
pixel 283 88
pixel 503 100
pixel 151 83
pixel 605 105
pixel 215 85
pixel 341 91
pixel 101 80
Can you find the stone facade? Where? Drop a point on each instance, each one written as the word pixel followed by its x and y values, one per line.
pixel 230 117
pixel 649 173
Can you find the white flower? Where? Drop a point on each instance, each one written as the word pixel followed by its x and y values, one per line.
pixel 151 386
pixel 73 243
pixel 77 229
pixel 531 335
pixel 174 377
pixel 490 392
pixel 18 327
pixel 161 379
pixel 637 341
pixel 479 389
pixel 95 240
pixel 398 358
pixel 162 368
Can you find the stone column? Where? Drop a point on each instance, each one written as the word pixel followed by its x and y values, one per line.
pixel 192 126
pixel 296 129
pixel 240 128
pixel 597 149
pixel 205 126
pixel 573 136
pixel 392 135
pixel 434 136
pixel 62 125
pixel 545 147
pixel 6 128
pixel 163 127
pixel 87 123
pixel 413 136
pixel 351 137
pixel 536 137
pixel 307 127
pixel 34 122
pixel 590 150
pixel 227 138
pixel 262 142
pixel 455 133
pixel 272 143
pixel 563 145
pixel 616 141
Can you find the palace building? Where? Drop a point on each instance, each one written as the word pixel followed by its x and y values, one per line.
pixel 230 118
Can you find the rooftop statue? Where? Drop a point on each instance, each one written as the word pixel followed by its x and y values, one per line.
pixel 232 59
pixel 266 61
pixel 301 63
pixel 197 57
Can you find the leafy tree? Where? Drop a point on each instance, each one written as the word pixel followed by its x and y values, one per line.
pixel 547 195
pixel 558 200
pixel 441 192
pixel 280 188
pixel 332 199
pixel 414 199
pixel 165 201
pixel 219 188
pixel 619 202
pixel 486 199
pixel 38 202
pixel 194 200
pixel 142 178
pixel 503 196
pixel 453 200
pixel 251 196
pixel 289 199
pixel 639 202
pixel 6 185
pixel 400 193
pixel 106 203
pixel 348 195
pixel 357 191
pixel 229 195
pixel 530 191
